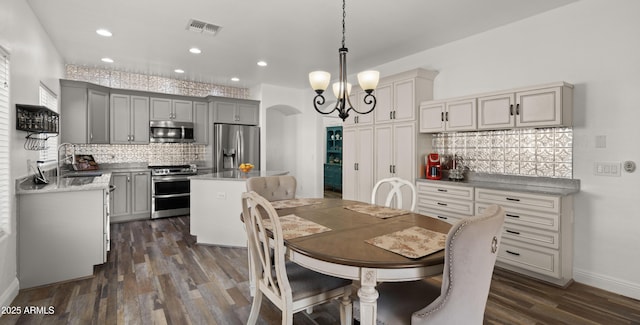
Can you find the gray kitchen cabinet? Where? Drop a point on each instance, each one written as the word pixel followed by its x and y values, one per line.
pixel 129 119
pixel 201 122
pixel 166 109
pixel 236 111
pixel 131 199
pixel 61 235
pixel 84 113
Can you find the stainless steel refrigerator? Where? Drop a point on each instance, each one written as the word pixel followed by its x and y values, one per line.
pixel 234 145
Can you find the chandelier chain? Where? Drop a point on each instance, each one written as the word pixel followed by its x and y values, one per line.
pixel 344 15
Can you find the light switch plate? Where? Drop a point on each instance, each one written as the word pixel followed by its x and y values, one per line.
pixel 604 168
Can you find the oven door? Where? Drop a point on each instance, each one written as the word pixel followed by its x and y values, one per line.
pixel 170 196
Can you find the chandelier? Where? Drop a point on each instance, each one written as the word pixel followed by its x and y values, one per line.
pixel 319 81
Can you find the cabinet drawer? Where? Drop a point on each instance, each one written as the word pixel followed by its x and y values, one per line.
pixel 532 236
pixel 446 216
pixel 460 192
pixel 445 204
pixel 533 258
pixel 519 200
pixel 517 216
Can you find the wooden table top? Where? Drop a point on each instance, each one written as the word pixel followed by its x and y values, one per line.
pixel 345 243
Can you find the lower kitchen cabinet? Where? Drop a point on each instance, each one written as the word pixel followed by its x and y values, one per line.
pixel 131 199
pixel 446 202
pixel 61 235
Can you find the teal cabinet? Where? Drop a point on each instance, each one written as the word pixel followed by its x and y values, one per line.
pixel 333 163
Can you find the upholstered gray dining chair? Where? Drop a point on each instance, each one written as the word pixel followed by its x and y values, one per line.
pixel 273 188
pixel 396 191
pixel 470 254
pixel 290 287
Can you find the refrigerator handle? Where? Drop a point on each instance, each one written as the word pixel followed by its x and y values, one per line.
pixel 240 147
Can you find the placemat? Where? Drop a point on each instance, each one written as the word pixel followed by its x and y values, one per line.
pixel 294 203
pixel 294 226
pixel 377 210
pixel 414 242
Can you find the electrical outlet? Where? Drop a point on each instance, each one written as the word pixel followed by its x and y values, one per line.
pixel 221 196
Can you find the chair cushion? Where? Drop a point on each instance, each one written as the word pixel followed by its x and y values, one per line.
pixel 273 188
pixel 414 295
pixel 306 283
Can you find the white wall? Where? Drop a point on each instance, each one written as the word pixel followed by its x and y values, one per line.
pixel 594 45
pixel 34 59
pixel 304 130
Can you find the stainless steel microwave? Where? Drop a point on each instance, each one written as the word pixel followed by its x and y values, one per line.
pixel 170 132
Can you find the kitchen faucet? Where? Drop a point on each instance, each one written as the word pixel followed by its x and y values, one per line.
pixel 65 158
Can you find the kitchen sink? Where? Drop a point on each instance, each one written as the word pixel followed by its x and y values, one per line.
pixel 94 173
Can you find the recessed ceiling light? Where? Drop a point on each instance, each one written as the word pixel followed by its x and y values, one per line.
pixel 107 60
pixel 178 71
pixel 104 32
pixel 262 63
pixel 235 79
pixel 195 50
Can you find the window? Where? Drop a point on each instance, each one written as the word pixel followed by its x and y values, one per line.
pixel 4 143
pixel 50 100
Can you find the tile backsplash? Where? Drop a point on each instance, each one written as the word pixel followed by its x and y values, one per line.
pixel 153 154
pixel 143 82
pixel 525 152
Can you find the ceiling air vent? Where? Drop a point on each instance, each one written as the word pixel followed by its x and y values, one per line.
pixel 202 27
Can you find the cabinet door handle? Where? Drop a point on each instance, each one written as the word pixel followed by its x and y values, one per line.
pixel 512 216
pixel 512 232
pixel 132 137
pixel 513 253
pixel 391 115
pixel 511 109
pixel 394 115
pixel 512 199
pixel 128 179
pixel 442 204
pixel 91 136
pixel 442 116
pixel 441 217
pixel 394 169
pixel 391 169
pixel 442 190
pixel 446 116
pixel 141 173
pixel 518 109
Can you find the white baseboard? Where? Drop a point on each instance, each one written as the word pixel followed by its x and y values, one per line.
pixel 11 293
pixel 608 283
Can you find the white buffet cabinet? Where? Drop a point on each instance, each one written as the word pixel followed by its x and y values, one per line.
pixel 63 229
pixel 216 206
pixel 537 238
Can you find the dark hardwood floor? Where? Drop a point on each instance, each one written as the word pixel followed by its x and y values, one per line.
pixel 156 274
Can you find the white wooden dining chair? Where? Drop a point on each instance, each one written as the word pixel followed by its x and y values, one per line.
pixel 290 287
pixel 470 255
pixel 396 191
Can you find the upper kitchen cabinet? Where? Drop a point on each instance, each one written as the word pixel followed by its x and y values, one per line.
pixel 129 119
pixel 398 96
pixel 357 100
pixel 84 112
pixel 453 115
pixel 236 111
pixel 166 109
pixel 201 122
pixel 540 106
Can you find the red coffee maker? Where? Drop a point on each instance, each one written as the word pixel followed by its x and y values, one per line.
pixel 433 167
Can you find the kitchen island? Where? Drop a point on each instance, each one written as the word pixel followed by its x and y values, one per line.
pixel 216 206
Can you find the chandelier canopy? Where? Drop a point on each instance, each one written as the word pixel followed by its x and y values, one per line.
pixel 319 81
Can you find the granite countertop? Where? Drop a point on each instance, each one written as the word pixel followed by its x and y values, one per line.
pixel 236 175
pixel 534 185
pixel 64 184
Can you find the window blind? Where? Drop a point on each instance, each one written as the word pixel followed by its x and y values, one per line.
pixel 50 100
pixel 4 143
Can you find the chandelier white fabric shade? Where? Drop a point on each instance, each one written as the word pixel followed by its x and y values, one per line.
pixel 320 80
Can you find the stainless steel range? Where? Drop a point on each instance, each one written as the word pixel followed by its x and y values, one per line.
pixel 170 190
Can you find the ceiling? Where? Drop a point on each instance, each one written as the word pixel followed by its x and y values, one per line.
pixel 293 36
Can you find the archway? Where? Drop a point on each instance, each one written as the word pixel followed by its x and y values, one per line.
pixel 280 144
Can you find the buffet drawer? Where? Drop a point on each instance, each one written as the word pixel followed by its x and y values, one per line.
pixel 537 202
pixel 432 188
pixel 529 257
pixel 446 204
pixel 531 236
pixel 442 215
pixel 522 217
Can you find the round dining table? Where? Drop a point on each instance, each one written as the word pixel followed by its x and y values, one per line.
pixel 343 252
